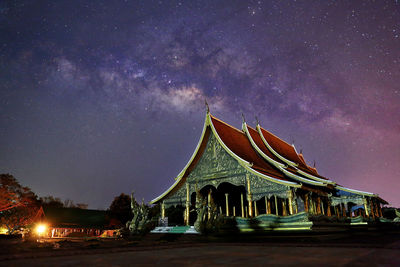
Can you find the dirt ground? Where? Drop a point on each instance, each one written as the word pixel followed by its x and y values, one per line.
pixel 357 249
pixel 227 255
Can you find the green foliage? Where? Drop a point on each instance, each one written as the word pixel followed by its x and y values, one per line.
pixel 254 224
pixel 227 225
pixel 155 211
pixel 222 225
pixel 149 225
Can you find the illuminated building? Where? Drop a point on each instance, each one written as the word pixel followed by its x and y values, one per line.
pixel 253 174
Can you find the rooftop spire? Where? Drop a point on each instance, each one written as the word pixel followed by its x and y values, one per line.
pixel 243 118
pixel 257 121
pixel 207 107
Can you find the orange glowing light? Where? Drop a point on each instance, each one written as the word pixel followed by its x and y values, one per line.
pixel 40 229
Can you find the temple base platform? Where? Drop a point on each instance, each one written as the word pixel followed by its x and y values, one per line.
pixel 174 230
pixel 302 221
pixel 272 222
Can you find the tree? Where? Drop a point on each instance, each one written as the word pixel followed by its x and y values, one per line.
pixel 56 202
pixel 19 204
pixel 82 206
pixel 50 201
pixel 120 208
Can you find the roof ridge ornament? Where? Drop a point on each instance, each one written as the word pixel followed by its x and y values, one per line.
pixel 207 107
pixel 257 120
pixel 243 118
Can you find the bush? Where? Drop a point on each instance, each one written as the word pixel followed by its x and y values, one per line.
pixel 150 225
pixel 327 219
pixel 227 225
pixel 221 225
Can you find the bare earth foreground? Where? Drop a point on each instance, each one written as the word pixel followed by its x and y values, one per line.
pixel 324 250
pixel 221 255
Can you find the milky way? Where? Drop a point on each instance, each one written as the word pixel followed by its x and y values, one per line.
pixel 103 97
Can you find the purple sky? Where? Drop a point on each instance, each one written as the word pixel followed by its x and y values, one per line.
pixel 103 97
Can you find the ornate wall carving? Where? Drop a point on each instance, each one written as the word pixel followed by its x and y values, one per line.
pixel 216 166
pixel 261 187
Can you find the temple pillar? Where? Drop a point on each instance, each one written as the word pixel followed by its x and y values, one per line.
pixel 266 205
pixel 313 206
pixel 322 207
pixel 209 204
pixel 227 204
pixel 284 212
pixel 255 209
pixel 276 206
pixel 247 215
pixel 234 211
pixel 365 206
pixel 343 210
pixel 348 208
pixel 241 202
pixel 187 204
pixel 371 205
pixel 250 208
pixel 376 209
pixel 306 207
pixel 163 210
pixel 318 205
pixel 269 206
pixel 328 209
pixel 290 202
pixel 337 211
pixel 249 197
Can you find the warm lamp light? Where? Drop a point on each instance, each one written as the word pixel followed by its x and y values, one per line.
pixel 40 229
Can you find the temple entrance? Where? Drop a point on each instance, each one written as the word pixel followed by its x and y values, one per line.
pixel 226 197
pixel 230 199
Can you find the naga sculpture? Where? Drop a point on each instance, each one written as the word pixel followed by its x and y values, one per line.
pixel 140 216
pixel 202 223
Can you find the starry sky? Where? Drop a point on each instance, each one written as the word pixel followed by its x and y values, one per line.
pixel 103 97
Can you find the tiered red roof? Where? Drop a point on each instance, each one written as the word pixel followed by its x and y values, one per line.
pixel 240 145
pixel 257 139
pixel 287 151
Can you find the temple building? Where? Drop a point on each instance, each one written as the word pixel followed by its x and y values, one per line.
pixel 253 174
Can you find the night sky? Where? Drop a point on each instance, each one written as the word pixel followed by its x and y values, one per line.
pixel 103 97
